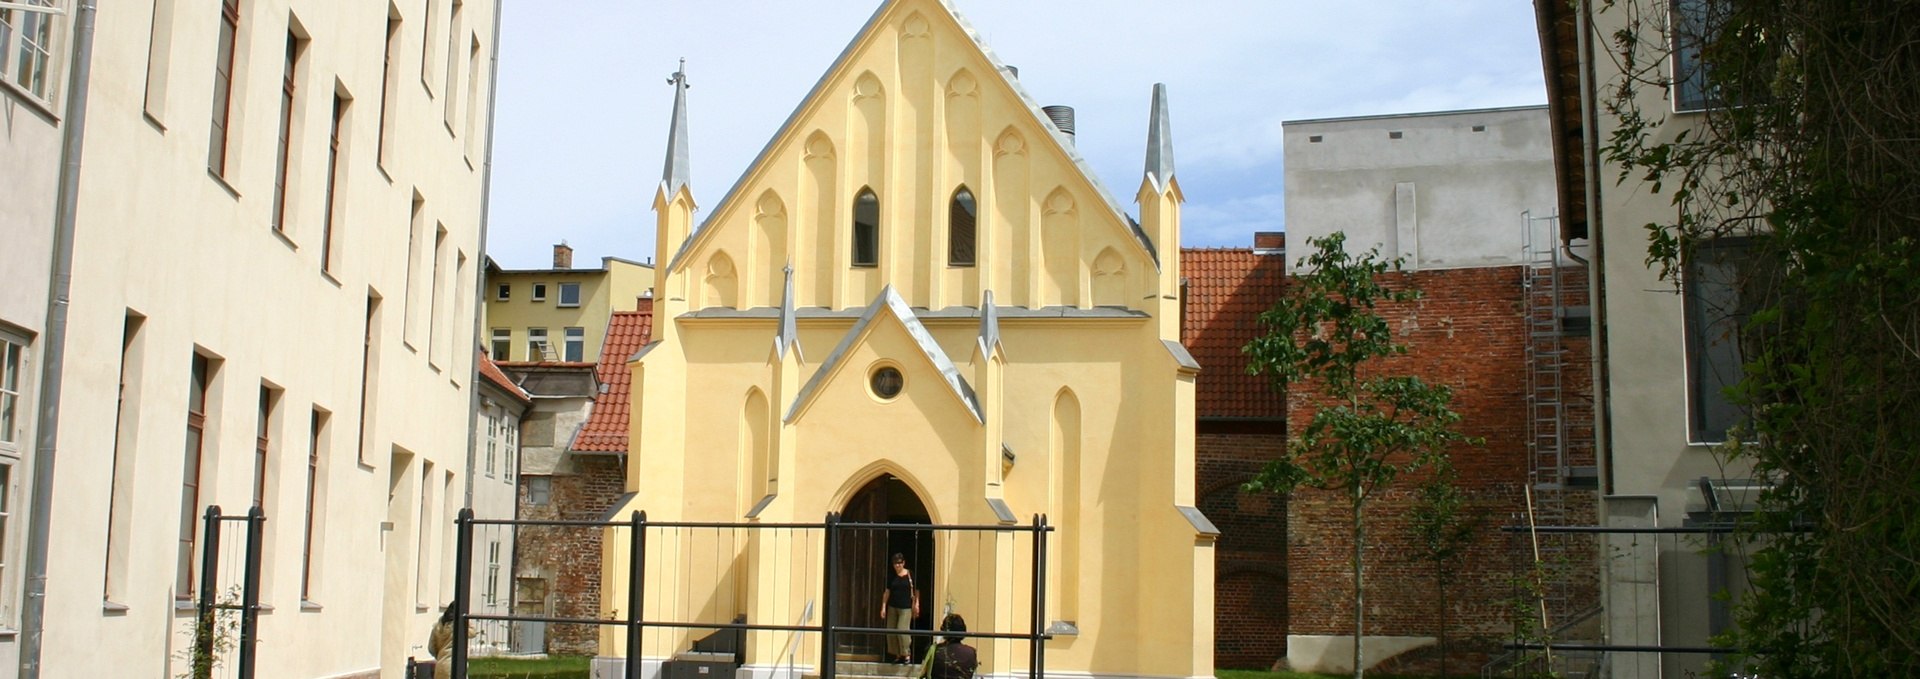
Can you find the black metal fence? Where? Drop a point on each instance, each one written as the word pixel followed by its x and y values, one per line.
pixel 829 545
pixel 227 616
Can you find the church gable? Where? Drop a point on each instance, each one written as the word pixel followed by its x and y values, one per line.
pixel 889 336
pixel 917 164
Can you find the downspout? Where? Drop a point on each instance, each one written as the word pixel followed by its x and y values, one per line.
pixel 1596 270
pixel 480 270
pixel 33 608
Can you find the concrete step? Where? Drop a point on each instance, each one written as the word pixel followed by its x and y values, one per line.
pixel 870 670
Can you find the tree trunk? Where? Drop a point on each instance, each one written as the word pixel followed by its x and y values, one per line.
pixel 1359 584
pixel 1440 583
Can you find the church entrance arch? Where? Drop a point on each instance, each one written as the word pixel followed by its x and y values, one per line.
pixel 865 563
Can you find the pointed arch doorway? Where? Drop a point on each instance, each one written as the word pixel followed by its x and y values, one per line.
pixel 865 555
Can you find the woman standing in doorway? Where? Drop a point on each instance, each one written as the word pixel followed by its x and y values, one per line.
pixel 898 607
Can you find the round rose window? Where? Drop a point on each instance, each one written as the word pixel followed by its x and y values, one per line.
pixel 886 382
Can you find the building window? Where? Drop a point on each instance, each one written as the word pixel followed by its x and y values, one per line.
pixel 502 343
pixel 539 292
pixel 569 294
pixel 866 229
pixel 493 573
pixel 125 446
pixel 12 359
pixel 197 388
pixel 286 132
pixel 316 442
pixel 1695 24
pixel 387 93
pixel 886 382
pixel 423 534
pixel 1725 283
pixel 512 447
pixel 6 535
pixel 333 180
pixel 223 86
pixel 537 347
pixel 493 438
pixel 576 348
pixel 539 490
pixel 26 47
pixel 453 62
pixel 504 292
pixel 262 445
pixel 960 228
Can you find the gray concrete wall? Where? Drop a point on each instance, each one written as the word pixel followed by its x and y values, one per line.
pixel 1447 192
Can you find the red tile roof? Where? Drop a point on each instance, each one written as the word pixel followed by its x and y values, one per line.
pixel 606 430
pixel 490 371
pixel 1227 288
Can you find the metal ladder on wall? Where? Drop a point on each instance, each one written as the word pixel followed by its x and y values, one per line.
pixel 1543 307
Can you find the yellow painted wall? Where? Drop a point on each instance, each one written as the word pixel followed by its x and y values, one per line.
pixel 1092 396
pixel 615 286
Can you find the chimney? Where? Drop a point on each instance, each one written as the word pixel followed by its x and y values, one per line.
pixel 1269 240
pixel 562 256
pixel 1062 117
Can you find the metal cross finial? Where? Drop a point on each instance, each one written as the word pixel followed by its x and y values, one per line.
pixel 679 77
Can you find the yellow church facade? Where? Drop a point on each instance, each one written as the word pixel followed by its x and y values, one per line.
pixel 918 305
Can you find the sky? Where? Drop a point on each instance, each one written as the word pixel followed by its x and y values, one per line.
pixel 583 101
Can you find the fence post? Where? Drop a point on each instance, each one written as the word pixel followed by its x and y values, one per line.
pixel 202 665
pixel 1037 605
pixel 636 591
pixel 1040 603
pixel 250 593
pixel 829 546
pixel 462 576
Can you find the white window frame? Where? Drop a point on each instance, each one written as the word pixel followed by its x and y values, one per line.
pixel 537 344
pixel 539 292
pixel 493 574
pixel 503 292
pixel 14 378
pixel 494 344
pixel 16 17
pixel 575 345
pixel 564 287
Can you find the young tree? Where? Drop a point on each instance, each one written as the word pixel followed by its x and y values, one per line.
pixel 1443 527
pixel 1327 332
pixel 1804 150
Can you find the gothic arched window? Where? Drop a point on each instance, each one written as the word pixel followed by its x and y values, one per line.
pixel 960 228
pixel 866 229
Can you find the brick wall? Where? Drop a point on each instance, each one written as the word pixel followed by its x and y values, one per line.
pixel 1250 560
pixel 568 558
pixel 1468 332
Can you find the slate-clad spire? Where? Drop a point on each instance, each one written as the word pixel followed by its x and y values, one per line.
pixel 677 170
pixel 1159 141
pixel 788 336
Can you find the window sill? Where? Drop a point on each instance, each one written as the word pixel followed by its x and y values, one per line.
pixel 8 633
pixel 567 306
pixel 469 160
pixel 185 606
pixel 450 133
pixel 382 167
pixel 281 234
pixel 155 122
pixel 40 106
pixel 111 607
pixel 309 607
pixel 328 275
pixel 222 181
pixel 864 266
pixel 409 345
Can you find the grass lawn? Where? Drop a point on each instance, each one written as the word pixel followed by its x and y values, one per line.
pixel 553 667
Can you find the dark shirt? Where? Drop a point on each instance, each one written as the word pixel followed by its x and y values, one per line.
pixel 954 660
pixel 900 590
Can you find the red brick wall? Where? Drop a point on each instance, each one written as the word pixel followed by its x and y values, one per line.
pixel 1250 560
pixel 568 557
pixel 1467 332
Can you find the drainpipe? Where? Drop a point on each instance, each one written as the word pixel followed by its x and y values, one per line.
pixel 480 268
pixel 1596 270
pixel 33 608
